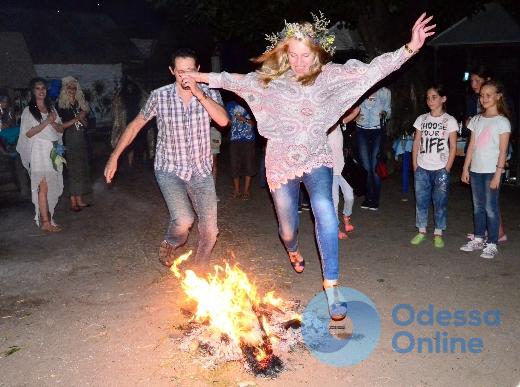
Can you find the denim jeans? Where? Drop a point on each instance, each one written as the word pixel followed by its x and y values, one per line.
pixel 368 144
pixel 318 183
pixel 185 199
pixel 338 182
pixel 486 211
pixel 431 185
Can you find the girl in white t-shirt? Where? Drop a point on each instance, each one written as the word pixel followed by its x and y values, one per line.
pixel 433 153
pixel 484 165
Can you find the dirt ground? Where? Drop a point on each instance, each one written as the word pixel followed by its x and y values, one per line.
pixel 91 306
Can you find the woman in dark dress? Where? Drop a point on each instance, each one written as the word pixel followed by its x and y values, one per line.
pixel 73 110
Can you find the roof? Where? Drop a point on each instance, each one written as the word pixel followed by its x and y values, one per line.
pixel 493 25
pixel 69 37
pixel 15 61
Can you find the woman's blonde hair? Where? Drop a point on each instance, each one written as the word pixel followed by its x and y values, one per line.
pixel 275 62
pixel 64 101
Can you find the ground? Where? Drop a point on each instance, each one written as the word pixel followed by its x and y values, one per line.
pixel 91 306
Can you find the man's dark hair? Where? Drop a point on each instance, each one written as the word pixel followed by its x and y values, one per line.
pixel 184 53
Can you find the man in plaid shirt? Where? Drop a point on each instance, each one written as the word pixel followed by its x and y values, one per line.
pixel 183 159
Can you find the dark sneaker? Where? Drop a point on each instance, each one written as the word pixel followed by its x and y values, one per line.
pixel 365 205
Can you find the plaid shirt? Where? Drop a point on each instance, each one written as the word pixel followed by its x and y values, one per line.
pixel 183 139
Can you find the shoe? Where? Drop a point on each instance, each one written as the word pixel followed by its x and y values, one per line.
pixel 373 208
pixel 306 206
pixel 166 254
pixel 418 239
pixel 297 261
pixel 489 251
pixel 349 227
pixel 85 205
pixel 503 238
pixel 365 205
pixel 299 209
pixel 472 245
pixel 342 235
pixel 438 241
pixel 337 307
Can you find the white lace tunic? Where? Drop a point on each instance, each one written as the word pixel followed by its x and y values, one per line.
pixel 295 118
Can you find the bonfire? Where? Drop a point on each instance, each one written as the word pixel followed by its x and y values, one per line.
pixel 230 321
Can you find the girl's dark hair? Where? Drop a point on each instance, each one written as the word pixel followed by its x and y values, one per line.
pixel 439 88
pixel 502 107
pixel 482 71
pixel 33 108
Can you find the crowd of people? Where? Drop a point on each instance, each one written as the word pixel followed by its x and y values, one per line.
pixel 300 102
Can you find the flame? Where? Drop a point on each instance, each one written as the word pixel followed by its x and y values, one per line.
pixel 229 302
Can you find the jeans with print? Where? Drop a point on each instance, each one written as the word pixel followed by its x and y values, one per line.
pixel 431 186
pixel 318 183
pixel 368 144
pixel 486 211
pixel 185 199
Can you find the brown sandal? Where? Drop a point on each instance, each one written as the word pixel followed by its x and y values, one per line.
pixel 166 254
pixel 297 261
pixel 50 227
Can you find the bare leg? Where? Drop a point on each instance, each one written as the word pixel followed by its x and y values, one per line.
pixel 247 185
pixel 236 187
pixel 46 224
pixel 73 202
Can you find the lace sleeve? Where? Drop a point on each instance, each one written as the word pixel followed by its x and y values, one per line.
pixel 245 86
pixel 347 83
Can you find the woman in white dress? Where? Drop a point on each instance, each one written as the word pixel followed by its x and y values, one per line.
pixel 41 131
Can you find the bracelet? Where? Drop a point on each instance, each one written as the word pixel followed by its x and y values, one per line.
pixel 409 50
pixel 502 168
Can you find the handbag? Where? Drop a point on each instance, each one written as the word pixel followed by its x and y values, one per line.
pixel 355 175
pixel 381 169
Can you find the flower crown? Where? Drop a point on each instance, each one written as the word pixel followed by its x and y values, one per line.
pixel 317 32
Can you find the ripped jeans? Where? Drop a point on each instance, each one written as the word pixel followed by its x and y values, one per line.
pixel 431 186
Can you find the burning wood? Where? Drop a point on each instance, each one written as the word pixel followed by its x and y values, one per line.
pixel 231 322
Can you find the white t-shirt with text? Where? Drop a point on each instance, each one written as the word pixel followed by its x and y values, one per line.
pixel 487 131
pixel 435 132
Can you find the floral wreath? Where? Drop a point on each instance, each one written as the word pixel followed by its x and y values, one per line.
pixel 317 32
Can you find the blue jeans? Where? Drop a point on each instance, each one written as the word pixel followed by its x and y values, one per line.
pixel 368 144
pixel 486 211
pixel 185 199
pixel 318 183
pixel 431 185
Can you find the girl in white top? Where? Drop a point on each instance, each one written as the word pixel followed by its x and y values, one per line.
pixel 40 129
pixel 335 141
pixel 484 166
pixel 433 154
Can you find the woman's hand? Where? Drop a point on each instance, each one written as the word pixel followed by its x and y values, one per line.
pixel 495 182
pixel 420 31
pixel 52 116
pixel 465 176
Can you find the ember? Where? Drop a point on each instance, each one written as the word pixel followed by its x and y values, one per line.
pixel 232 322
